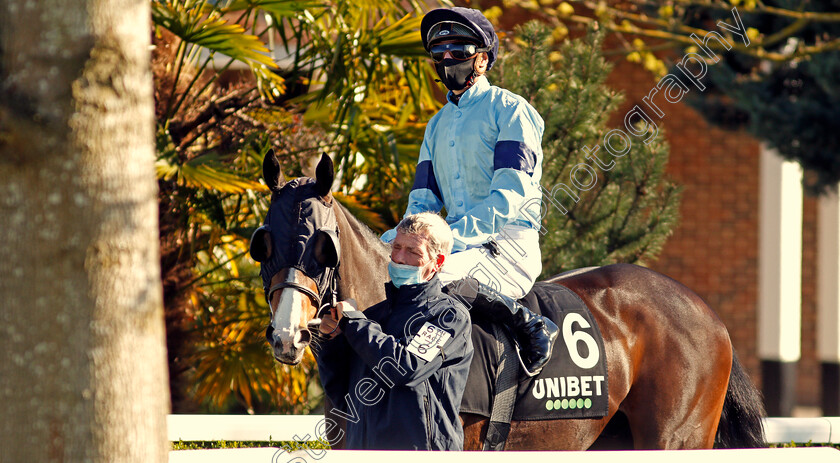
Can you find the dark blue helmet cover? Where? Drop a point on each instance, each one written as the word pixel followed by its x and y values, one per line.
pixel 469 17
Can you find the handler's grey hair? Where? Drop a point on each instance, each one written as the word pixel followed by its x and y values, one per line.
pixel 436 230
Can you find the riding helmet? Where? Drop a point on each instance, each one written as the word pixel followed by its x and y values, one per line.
pixel 461 23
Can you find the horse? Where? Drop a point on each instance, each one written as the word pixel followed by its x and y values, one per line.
pixel 675 382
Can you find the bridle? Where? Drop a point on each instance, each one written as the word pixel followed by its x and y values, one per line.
pixel 307 262
pixel 299 281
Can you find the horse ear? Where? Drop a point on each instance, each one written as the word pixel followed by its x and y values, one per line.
pixel 274 179
pixel 324 175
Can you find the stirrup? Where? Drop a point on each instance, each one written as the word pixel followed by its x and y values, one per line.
pixel 518 351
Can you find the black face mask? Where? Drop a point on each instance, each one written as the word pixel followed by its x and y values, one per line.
pixel 456 74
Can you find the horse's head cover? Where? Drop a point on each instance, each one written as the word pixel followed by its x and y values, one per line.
pixel 296 218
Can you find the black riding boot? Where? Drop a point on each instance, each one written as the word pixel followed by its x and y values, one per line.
pixel 535 334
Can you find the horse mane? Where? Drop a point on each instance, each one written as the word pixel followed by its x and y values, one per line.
pixel 364 260
pixel 363 231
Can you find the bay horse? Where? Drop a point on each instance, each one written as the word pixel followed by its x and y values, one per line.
pixel 674 381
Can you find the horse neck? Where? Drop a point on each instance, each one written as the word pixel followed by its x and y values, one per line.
pixel 364 261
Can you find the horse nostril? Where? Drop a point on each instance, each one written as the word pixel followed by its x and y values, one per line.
pixel 302 338
pixel 269 334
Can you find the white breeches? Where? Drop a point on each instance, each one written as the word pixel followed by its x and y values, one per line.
pixel 512 272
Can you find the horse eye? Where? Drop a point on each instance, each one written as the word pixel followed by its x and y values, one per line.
pixel 261 245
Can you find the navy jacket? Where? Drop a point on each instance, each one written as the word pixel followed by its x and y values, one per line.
pixel 376 378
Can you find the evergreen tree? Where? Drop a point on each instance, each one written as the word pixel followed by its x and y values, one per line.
pixel 778 76
pixel 793 105
pixel 598 208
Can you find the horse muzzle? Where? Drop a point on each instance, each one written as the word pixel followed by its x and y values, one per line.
pixel 288 347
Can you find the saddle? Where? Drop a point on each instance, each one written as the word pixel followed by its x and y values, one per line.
pixel 572 385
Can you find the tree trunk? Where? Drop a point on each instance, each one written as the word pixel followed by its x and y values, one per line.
pixel 82 356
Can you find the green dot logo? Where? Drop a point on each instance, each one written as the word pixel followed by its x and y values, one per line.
pixel 557 404
pixel 565 404
pixel 587 403
pixel 549 405
pixel 572 404
pixel 579 403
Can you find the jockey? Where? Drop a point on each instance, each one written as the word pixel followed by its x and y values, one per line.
pixel 481 159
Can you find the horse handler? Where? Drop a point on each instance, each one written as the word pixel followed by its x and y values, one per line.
pixel 397 372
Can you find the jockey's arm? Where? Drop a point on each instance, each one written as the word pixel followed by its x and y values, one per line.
pixel 512 196
pixel 425 195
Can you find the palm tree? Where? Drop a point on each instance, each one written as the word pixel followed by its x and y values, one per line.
pixel 351 84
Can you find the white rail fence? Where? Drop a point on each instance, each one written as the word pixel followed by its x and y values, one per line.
pixel 268 455
pixel 306 427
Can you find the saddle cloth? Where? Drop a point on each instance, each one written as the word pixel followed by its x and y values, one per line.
pixel 574 382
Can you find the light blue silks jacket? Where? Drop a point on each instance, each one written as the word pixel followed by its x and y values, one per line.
pixel 482 160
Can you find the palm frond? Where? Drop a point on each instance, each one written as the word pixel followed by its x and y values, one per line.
pixel 401 38
pixel 205 176
pixel 278 8
pixel 193 24
pixel 201 25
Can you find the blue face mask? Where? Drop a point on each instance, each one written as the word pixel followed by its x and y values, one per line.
pixel 404 274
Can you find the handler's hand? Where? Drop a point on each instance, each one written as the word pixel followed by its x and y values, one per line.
pixel 329 322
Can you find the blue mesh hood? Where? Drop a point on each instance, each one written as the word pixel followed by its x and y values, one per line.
pixel 295 216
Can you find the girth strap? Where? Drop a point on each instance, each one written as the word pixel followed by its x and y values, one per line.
pixel 505 398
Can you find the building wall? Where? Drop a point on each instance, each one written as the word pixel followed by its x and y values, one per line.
pixel 714 250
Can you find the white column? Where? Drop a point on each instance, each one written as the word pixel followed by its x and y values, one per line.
pixel 828 278
pixel 780 258
pixel 828 299
pixel 779 280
